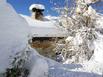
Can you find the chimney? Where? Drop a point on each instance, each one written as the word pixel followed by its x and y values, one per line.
pixel 37 11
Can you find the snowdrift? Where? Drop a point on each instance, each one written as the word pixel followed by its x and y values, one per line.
pixel 13 34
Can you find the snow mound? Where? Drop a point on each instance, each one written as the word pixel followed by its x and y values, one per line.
pixel 37 6
pixel 40 68
pixel 13 34
pixel 45 28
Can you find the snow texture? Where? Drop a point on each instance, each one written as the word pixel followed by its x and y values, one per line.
pixel 45 28
pixel 37 65
pixel 13 34
pixel 13 38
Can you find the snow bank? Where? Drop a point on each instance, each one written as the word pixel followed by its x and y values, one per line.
pixel 45 28
pixel 40 67
pixel 90 69
pixel 13 34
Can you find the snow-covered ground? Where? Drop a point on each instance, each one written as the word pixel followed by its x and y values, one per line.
pixel 13 38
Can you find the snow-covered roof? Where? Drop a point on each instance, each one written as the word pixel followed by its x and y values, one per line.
pixel 37 6
pixel 45 28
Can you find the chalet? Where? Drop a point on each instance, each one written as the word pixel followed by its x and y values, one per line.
pixel 43 30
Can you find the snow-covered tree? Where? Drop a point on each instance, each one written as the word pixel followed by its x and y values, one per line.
pixel 81 26
pixel 65 9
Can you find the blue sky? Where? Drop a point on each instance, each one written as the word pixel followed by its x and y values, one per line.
pixel 98 6
pixel 22 6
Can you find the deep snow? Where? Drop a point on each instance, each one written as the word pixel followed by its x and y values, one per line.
pixel 13 38
pixel 13 34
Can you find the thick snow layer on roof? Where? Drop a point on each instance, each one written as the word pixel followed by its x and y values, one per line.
pixel 37 6
pixel 45 28
pixel 13 34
